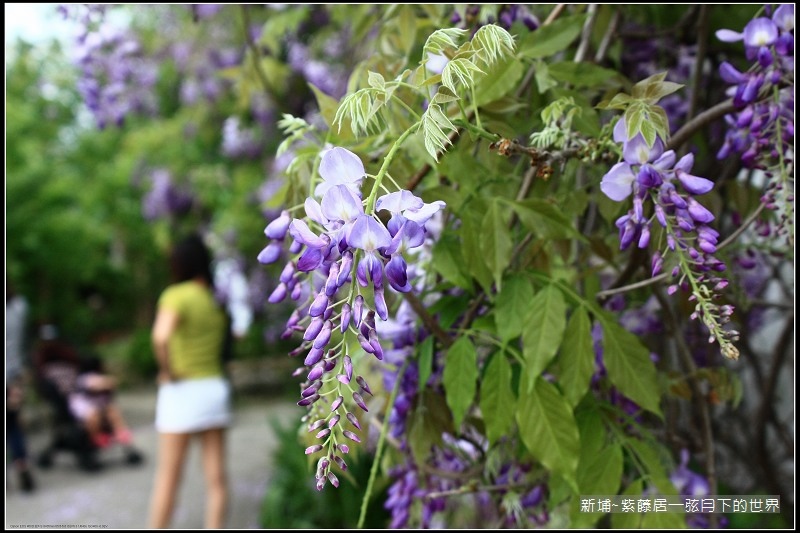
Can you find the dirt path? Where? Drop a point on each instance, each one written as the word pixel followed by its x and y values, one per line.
pixel 118 496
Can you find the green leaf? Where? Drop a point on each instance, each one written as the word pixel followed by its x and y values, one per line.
pixel 429 420
pixel 548 429
pixel 512 306
pixel 545 219
pixel 460 377
pixel 375 79
pixel 543 331
pixel 444 96
pixel 656 91
pixel 664 521
pixel 634 117
pixel 620 101
pixel 447 261
pixel 598 474
pixel 327 108
pixel 576 357
pixel 471 242
pixel 460 71
pixel 497 398
pixel 652 460
pixel 544 81
pixel 640 89
pixel 601 473
pixel 553 38
pixel 649 132
pixel 434 123
pixel 492 43
pixel 441 40
pixel 498 82
pixel 425 358
pixel 629 520
pixel 496 242
pixel 583 75
pixel 449 308
pixel 629 366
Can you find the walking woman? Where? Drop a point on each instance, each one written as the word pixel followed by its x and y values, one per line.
pixel 193 395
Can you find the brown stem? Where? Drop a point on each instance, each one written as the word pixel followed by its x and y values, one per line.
pixel 431 323
pixel 706 117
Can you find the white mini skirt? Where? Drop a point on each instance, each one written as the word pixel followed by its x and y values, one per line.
pixel 193 405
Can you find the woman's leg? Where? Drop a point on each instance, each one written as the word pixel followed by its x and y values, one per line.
pixel 172 448
pixel 216 477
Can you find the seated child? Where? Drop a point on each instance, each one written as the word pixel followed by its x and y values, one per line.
pixel 92 402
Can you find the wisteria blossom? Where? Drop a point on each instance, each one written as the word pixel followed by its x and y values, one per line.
pixel 337 243
pixel 653 177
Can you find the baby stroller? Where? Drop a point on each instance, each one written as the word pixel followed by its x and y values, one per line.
pixel 58 367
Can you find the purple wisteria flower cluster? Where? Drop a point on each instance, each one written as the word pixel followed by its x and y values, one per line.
pixel 164 198
pixel 652 176
pixel 343 241
pixel 116 77
pixel 762 129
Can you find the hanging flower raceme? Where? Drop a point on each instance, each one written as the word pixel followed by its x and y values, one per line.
pixel 339 241
pixel 761 131
pixel 652 177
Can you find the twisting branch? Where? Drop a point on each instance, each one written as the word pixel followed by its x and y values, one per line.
pixel 431 323
pixel 706 117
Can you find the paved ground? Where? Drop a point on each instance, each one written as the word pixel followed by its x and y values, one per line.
pixel 118 496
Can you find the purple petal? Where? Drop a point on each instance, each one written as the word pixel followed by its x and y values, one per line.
pixel 397 275
pixel 360 402
pixel 368 234
pixel 314 211
pixel 685 163
pixel 760 32
pixel 698 212
pixel 310 260
pixel 637 152
pixel 784 17
pixel 313 328
pixel 277 228
pixel 620 131
pixel 617 184
pixel 694 184
pixel 271 253
pixel 423 214
pixel 666 161
pixel 313 357
pixel 729 36
pixel 729 74
pixel 396 202
pixel 339 203
pixel 380 305
pixel 300 232
pixel 324 336
pixel 339 166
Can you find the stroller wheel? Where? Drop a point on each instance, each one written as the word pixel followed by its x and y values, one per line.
pixel 88 462
pixel 133 457
pixel 45 459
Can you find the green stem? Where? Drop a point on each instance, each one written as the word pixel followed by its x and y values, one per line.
pixel 373 195
pixel 381 441
pixel 407 107
pixel 477 130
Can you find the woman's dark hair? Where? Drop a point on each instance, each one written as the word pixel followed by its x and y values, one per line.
pixel 189 259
